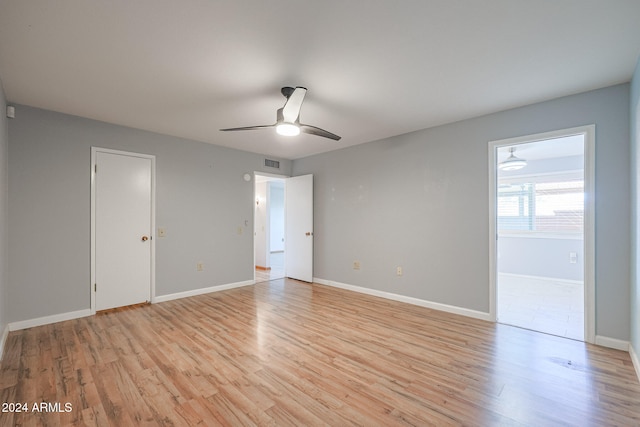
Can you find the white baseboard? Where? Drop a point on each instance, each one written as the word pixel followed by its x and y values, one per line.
pixel 193 293
pixel 410 300
pixel 40 321
pixel 612 343
pixel 3 340
pixel 24 324
pixel 635 360
pixel 552 279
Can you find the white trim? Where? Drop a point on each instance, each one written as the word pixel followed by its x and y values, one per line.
pixel 612 343
pixel 567 175
pixel 94 154
pixel 541 235
pixel 195 292
pixel 270 176
pixel 493 231
pixel 590 234
pixel 635 360
pixel 3 340
pixel 409 300
pixel 589 218
pixel 46 320
pixel 24 324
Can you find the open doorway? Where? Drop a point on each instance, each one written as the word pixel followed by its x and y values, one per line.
pixel 269 230
pixel 542 266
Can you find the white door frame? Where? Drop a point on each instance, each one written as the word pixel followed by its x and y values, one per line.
pixel 94 156
pixel 269 175
pixel 589 219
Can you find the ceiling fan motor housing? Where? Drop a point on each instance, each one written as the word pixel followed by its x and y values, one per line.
pixel 287 90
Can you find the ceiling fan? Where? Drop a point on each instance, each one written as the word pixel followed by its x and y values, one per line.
pixel 288 117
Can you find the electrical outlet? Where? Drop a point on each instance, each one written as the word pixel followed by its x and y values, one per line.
pixel 356 265
pixel 398 271
pixel 573 258
pixel 199 266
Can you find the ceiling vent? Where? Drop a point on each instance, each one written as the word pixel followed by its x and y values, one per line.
pixel 272 163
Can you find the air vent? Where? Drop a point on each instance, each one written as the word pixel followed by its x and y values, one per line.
pixel 272 163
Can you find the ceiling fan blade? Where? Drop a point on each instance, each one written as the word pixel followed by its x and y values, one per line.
pixel 312 130
pixel 248 128
pixel 291 109
pixel 289 116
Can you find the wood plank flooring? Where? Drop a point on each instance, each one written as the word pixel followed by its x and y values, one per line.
pixel 291 353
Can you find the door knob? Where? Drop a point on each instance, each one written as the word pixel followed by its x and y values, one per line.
pixel 308 233
pixel 145 238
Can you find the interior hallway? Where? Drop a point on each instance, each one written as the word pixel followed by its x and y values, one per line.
pixel 276 271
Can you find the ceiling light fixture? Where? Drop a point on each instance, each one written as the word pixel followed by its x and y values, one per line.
pixel 288 117
pixel 512 163
pixel 287 129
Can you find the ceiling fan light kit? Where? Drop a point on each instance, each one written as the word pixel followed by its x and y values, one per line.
pixel 288 117
pixel 287 129
pixel 512 163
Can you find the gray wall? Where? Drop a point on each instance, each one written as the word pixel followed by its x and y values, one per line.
pixel 547 255
pixel 421 201
pixel 541 257
pixel 201 201
pixel 635 196
pixel 4 211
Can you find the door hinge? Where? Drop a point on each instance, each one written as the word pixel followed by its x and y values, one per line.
pixel 95 287
pixel 95 168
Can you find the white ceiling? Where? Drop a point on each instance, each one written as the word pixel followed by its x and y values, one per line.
pixel 552 148
pixel 374 68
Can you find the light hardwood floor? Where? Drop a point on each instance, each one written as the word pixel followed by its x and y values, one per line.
pixel 291 353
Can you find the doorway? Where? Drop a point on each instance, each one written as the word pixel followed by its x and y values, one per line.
pixel 122 223
pixel 283 227
pixel 269 228
pixel 542 258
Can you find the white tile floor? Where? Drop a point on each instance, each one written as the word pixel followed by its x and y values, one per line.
pixel 546 305
pixel 277 269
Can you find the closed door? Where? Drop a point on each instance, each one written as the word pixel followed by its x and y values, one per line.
pixel 123 225
pixel 299 228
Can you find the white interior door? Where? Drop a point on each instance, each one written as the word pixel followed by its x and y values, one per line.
pixel 299 228
pixel 123 225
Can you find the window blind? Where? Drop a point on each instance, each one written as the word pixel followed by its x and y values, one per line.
pixel 549 206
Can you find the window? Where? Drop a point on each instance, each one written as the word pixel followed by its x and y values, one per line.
pixel 551 206
pixel 515 204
